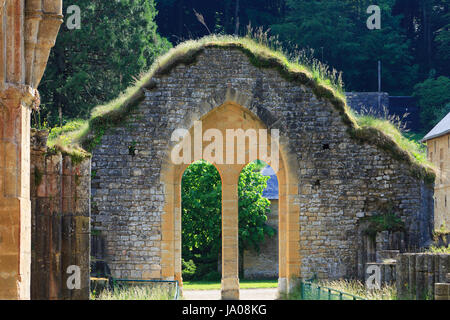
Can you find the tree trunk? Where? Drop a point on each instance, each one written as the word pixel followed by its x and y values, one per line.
pixel 236 18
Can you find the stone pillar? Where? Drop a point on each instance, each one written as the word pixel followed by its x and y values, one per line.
pixel 28 30
pixel 15 210
pixel 230 237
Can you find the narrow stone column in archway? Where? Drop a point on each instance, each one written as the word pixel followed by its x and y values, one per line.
pixel 230 244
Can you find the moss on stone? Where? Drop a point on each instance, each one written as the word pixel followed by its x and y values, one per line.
pixel 38 175
pixel 387 221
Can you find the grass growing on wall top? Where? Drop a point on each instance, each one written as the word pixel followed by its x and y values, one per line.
pixel 441 249
pixel 417 149
pixel 264 52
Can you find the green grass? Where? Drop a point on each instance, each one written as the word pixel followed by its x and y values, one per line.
pixel 415 148
pixel 135 293
pixel 243 284
pixel 442 249
pixel 353 287
pixel 357 288
pixel 265 52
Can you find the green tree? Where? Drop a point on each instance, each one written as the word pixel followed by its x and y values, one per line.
pixel 253 208
pixel 443 47
pixel 117 41
pixel 201 214
pixel 201 209
pixel 433 97
pixel 336 30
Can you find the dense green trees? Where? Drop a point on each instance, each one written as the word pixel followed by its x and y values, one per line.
pixel 117 41
pixel 337 31
pixel 201 217
pixel 433 95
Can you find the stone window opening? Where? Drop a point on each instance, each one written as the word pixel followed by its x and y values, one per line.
pixel 326 146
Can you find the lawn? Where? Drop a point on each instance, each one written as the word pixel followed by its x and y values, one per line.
pixel 243 284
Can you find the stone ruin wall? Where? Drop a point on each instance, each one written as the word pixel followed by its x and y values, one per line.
pixel 339 179
pixel 60 222
pixel 418 273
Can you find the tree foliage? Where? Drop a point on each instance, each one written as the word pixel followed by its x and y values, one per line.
pixel 433 96
pixel 202 209
pixel 253 209
pixel 88 66
pixel 336 30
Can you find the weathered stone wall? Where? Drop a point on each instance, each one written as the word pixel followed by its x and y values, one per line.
pixel 265 263
pixel 339 179
pixel 60 224
pixel 417 274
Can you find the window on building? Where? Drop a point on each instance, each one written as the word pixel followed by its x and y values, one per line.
pixel 431 156
pixel 441 154
pixel 441 171
pixel 435 146
pixel 446 201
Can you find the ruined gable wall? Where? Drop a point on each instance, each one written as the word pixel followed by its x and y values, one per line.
pixel 339 180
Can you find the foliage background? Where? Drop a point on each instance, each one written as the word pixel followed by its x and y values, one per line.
pixel 201 217
pixel 117 41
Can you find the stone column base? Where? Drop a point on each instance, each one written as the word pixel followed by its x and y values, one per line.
pixel 286 286
pixel 293 283
pixel 282 286
pixel 442 291
pixel 230 289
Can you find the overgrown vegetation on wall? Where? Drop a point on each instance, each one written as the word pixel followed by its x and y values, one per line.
pixel 263 52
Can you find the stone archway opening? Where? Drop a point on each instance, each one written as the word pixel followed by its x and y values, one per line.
pixel 259 252
pixel 229 136
pixel 201 220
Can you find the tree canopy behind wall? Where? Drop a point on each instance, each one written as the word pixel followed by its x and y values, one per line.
pixel 412 40
pixel 117 41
